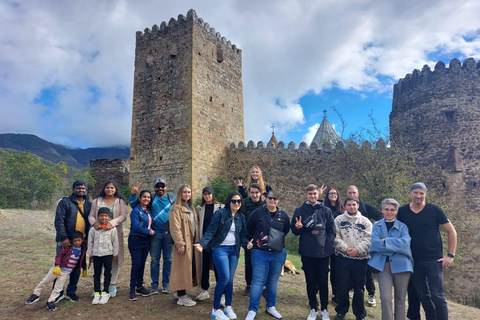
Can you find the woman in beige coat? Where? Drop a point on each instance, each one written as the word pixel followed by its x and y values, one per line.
pixel 111 197
pixel 186 262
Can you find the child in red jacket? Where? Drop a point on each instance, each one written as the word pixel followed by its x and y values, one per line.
pixel 65 261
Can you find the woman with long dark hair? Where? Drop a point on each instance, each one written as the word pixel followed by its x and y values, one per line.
pixel 333 200
pixel 225 236
pixel 139 244
pixel 111 198
pixel 186 262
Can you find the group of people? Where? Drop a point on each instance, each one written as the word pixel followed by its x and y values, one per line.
pixel 403 246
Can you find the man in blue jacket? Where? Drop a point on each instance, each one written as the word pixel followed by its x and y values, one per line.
pixel 160 205
pixel 314 223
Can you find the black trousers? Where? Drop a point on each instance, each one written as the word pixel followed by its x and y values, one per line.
pixel 333 273
pixel 370 284
pixel 316 277
pixel 98 263
pixel 206 263
pixel 248 267
pixel 351 272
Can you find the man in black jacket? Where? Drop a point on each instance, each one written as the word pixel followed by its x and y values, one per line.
pixel 72 215
pixel 314 223
pixel 249 204
pixel 372 213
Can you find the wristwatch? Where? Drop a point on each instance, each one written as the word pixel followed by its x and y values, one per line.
pixel 450 255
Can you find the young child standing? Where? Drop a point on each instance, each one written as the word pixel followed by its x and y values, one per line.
pixel 65 261
pixel 103 248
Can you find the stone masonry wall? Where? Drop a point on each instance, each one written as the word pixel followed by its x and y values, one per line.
pixel 187 88
pixel 437 114
pixel 109 169
pixel 217 102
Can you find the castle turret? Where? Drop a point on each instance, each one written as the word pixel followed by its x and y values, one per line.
pixel 187 103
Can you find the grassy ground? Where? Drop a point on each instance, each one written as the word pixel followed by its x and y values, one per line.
pixel 27 252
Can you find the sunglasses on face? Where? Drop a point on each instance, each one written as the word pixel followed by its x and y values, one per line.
pixel 236 201
pixel 272 198
pixel 160 186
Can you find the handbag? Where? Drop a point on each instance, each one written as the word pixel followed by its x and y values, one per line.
pixel 166 233
pixel 275 240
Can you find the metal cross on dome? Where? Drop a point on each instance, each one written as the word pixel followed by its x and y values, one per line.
pixel 273 128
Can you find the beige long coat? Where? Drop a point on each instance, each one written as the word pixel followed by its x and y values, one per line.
pixel 119 216
pixel 181 230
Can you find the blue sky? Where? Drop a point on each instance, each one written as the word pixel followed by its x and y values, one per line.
pixel 66 67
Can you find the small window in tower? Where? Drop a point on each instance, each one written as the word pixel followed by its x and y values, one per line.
pixel 161 158
pixel 450 116
pixel 219 53
pixel 210 99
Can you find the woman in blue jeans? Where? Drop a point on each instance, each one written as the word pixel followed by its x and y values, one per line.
pixel 224 236
pixel 139 244
pixel 269 225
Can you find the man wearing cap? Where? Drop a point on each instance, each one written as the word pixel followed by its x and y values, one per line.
pixel 423 220
pixel 160 205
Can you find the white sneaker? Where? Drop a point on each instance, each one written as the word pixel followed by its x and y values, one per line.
pixel 251 315
pixel 324 315
pixel 96 298
pixel 203 295
pixel 371 302
pixel 313 314
pixel 104 298
pixel 274 313
pixel 186 301
pixel 219 315
pixel 229 313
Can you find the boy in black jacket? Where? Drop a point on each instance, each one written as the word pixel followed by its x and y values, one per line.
pixel 314 223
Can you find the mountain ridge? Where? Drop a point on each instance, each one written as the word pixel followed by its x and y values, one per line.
pixel 77 158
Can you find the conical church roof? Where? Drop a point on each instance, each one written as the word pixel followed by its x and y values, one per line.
pixel 326 133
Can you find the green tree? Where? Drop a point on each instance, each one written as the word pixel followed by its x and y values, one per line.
pixel 27 181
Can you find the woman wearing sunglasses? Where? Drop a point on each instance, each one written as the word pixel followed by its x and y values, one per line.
pixel 224 236
pixel 269 225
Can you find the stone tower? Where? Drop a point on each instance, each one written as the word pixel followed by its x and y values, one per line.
pixel 187 103
pixel 437 115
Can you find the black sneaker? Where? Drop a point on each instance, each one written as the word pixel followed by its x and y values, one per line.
pixel 33 298
pixel 73 297
pixel 132 296
pixel 60 296
pixel 142 291
pixel 247 290
pixel 51 306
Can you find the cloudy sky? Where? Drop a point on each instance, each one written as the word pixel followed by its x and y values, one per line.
pixel 66 67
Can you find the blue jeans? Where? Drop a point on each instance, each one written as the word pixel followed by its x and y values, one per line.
pixel 139 248
pixel 158 246
pixel 266 266
pixel 427 278
pixel 74 276
pixel 225 260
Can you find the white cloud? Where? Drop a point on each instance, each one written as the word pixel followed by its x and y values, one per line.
pixel 289 48
pixel 308 137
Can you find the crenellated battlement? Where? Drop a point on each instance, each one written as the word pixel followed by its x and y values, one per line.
pixel 251 145
pixel 156 31
pixel 426 79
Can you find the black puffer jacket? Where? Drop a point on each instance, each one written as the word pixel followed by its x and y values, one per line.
pixel 319 240
pixel 66 217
